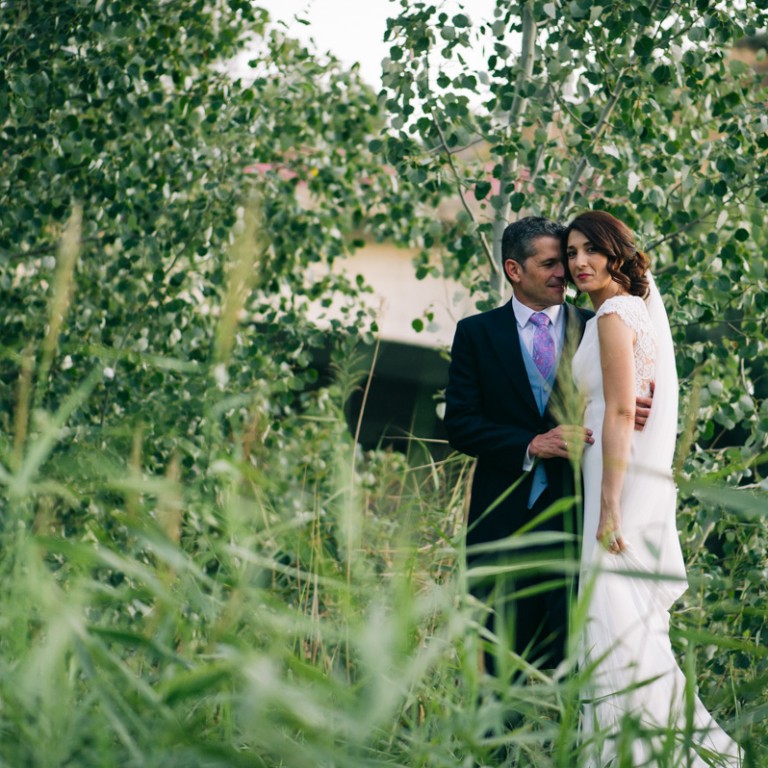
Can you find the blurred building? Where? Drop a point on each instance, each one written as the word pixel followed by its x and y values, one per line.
pixel 410 368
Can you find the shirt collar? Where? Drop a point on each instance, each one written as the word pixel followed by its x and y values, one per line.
pixel 523 313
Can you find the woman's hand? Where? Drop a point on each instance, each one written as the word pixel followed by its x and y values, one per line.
pixel 609 531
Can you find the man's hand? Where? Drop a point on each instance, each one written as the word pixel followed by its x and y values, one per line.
pixel 643 409
pixel 561 442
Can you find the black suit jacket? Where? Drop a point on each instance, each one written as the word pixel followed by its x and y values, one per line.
pixel 491 413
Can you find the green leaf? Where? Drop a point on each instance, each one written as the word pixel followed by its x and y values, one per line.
pixel 644 47
pixel 642 15
pixel 662 74
pixel 461 20
pixel 579 9
pixel 517 201
pixel 482 188
pixel 205 681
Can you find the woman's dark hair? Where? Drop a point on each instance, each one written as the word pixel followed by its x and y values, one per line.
pixel 614 239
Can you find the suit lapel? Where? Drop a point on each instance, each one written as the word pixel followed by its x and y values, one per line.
pixel 574 326
pixel 564 398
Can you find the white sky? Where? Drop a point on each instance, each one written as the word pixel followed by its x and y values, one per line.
pixel 353 30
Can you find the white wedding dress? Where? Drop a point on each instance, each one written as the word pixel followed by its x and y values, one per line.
pixel 637 686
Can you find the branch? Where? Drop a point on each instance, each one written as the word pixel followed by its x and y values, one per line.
pixel 444 148
pixel 563 104
pixel 714 324
pixel 515 113
pixel 578 173
pixel 488 252
pixel 598 130
pixel 42 250
pixel 723 203
pixel 526 61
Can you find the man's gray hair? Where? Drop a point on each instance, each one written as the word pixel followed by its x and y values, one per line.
pixel 517 242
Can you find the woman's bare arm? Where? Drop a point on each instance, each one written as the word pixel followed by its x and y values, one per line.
pixel 618 366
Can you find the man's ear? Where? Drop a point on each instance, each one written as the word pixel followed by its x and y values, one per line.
pixel 512 270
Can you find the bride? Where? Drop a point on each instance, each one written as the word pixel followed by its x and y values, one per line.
pixel 638 708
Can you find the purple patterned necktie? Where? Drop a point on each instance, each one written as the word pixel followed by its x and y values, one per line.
pixel 543 344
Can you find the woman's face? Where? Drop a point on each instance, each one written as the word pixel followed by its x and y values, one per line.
pixel 588 268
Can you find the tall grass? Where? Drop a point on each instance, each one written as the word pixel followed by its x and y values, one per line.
pixel 334 634
pixel 300 607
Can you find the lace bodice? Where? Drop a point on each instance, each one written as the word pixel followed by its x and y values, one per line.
pixel 632 310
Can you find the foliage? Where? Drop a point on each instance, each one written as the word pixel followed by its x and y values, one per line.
pixel 165 234
pixel 312 622
pixel 124 111
pixel 183 647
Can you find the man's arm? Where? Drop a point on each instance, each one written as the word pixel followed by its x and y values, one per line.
pixel 471 432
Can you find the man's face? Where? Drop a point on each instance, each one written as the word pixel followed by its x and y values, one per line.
pixel 540 281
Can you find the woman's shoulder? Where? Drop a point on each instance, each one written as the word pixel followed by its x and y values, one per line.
pixel 631 309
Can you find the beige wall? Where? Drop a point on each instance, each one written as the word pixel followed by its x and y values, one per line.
pixel 399 298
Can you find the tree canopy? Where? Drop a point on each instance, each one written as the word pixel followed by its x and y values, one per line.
pixel 126 112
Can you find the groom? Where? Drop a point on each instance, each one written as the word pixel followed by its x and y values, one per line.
pixel 505 374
